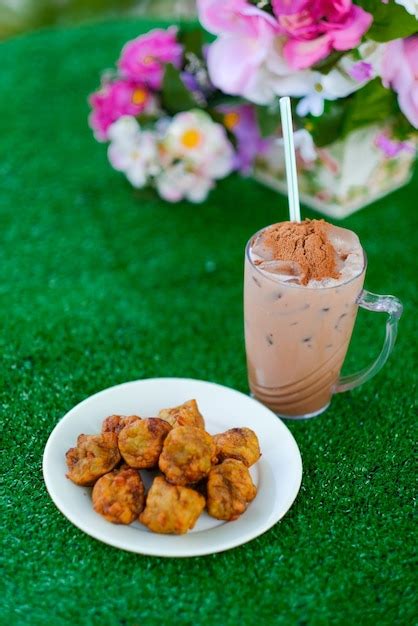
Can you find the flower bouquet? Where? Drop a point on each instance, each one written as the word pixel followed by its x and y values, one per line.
pixel 351 69
pixel 180 114
pixel 155 112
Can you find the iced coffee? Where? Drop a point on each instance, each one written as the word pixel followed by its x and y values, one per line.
pixel 302 281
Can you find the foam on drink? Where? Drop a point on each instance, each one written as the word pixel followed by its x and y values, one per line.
pixel 312 253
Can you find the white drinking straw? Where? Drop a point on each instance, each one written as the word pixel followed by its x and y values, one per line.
pixel 290 159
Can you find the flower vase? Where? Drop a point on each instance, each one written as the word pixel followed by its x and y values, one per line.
pixel 346 175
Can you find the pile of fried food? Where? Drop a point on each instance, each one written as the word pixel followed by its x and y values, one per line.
pixel 197 469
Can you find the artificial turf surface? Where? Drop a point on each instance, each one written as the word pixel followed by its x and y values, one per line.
pixel 100 284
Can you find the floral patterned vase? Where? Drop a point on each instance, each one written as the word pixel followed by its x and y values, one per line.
pixel 345 176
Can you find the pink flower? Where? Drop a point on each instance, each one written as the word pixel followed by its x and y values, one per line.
pixel 143 58
pixel 288 7
pixel 317 27
pixel 233 17
pixel 400 71
pixel 234 63
pixel 237 56
pixel 122 97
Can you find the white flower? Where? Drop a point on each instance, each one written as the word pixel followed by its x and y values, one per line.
pixel 192 136
pixel 312 104
pixel 133 151
pixel 194 151
pixel 410 5
pixel 276 78
pixel 177 182
pixel 124 130
pixel 182 156
pixel 340 81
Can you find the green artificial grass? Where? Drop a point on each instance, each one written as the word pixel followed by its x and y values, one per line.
pixel 100 284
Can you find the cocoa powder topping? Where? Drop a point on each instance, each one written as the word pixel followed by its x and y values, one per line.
pixel 307 244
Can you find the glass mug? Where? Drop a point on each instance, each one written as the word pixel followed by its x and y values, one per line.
pixel 296 339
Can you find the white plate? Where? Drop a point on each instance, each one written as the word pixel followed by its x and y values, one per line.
pixel 277 475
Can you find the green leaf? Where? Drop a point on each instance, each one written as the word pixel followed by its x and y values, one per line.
pixel 402 129
pixel 326 65
pixel 147 121
pixel 192 40
pixel 268 119
pixel 390 21
pixel 175 97
pixel 371 104
pixel 328 127
pixel 216 116
pixel 219 98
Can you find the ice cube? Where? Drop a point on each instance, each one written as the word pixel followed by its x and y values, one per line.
pixel 285 271
pixel 353 266
pixel 259 250
pixel 344 241
pixel 349 252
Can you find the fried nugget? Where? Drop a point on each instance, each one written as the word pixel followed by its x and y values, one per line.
pixel 229 490
pixel 171 509
pixel 94 456
pixel 119 496
pixel 238 443
pixel 187 456
pixel 141 442
pixel 187 414
pixel 115 423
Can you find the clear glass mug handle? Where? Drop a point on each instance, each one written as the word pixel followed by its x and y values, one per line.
pixel 382 304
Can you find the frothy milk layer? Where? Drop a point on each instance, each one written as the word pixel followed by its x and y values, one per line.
pixel 311 253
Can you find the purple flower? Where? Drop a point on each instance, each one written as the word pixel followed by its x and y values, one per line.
pixel 241 121
pixel 361 71
pixel 391 147
pixel 143 58
pixel 198 83
pixel 114 99
pixel 190 82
